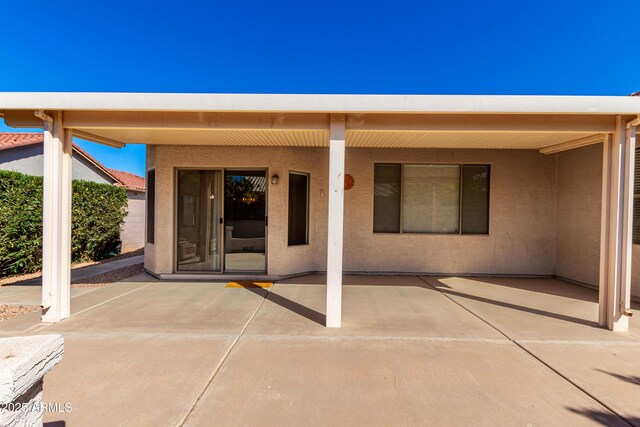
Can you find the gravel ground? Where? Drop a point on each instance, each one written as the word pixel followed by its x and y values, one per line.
pixel 8 311
pixel 14 279
pixel 107 278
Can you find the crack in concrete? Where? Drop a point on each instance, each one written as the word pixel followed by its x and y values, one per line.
pixel 217 368
pixel 533 355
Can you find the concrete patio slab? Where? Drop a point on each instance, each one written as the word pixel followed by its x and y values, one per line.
pixel 80 301
pixel 142 352
pixel 388 382
pixel 31 295
pixel 357 280
pixel 22 324
pixel 533 308
pixel 131 380
pixel 101 295
pixel 610 372
pixel 405 310
pixel 170 307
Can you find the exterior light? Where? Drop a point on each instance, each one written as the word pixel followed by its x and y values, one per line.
pixel 274 179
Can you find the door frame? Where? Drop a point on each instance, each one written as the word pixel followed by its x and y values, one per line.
pixel 266 221
pixel 222 271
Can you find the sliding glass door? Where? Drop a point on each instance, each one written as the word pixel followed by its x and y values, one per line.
pixel 199 222
pixel 245 216
pixel 221 221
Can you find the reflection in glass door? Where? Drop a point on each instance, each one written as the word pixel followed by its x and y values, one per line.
pixel 245 220
pixel 199 223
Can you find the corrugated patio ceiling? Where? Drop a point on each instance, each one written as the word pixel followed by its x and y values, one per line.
pixel 360 139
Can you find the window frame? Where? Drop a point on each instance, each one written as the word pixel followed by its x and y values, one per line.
pixel 307 175
pixel 461 166
pixel 488 166
pixel 150 201
pixel 635 239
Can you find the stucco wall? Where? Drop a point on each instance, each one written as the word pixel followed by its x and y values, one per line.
pixel 578 218
pixel 26 159
pixel 522 219
pixel 30 160
pixel 281 258
pixel 150 248
pixel 132 234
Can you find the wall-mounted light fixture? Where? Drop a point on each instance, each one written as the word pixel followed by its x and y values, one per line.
pixel 274 179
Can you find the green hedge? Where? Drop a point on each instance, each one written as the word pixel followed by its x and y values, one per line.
pixel 98 211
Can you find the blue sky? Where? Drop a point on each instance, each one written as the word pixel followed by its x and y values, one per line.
pixel 414 47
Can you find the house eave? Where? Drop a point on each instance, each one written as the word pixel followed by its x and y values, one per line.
pixel 467 104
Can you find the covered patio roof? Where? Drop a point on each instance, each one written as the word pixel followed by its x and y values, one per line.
pixel 382 121
pixel 547 123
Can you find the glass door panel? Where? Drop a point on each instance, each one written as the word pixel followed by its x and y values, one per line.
pixel 199 223
pixel 245 220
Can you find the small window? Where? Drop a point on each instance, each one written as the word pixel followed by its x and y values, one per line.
pixel 431 198
pixel 636 201
pixel 151 205
pixel 386 198
pixel 475 199
pixel 298 209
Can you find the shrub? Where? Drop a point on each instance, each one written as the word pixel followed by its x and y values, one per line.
pixel 20 223
pixel 98 211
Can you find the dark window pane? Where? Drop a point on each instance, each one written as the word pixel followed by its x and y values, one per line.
pixel 386 198
pixel 298 208
pixel 636 221
pixel 151 205
pixel 475 199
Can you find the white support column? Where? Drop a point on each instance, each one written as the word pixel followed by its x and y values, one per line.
pixel 56 219
pixel 336 221
pixel 605 221
pixel 616 228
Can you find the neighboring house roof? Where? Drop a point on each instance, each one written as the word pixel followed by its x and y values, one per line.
pixel 129 180
pixel 10 140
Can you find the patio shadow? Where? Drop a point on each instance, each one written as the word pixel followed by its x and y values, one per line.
pixel 606 418
pixel 627 378
pixel 535 311
pixel 286 303
pixel 549 286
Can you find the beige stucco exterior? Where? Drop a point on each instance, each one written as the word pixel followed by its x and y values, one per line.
pixel 578 214
pixel 132 234
pixel 522 218
pixel 578 218
pixel 544 212
pixel 281 259
pixel 520 240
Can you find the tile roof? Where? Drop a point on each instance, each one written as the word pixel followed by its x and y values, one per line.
pixel 9 140
pixel 128 180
